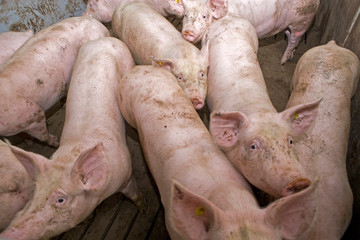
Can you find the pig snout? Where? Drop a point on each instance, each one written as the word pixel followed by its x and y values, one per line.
pixel 296 186
pixel 197 102
pixel 188 35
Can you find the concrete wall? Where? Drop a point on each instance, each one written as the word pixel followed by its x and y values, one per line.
pixel 20 15
pixel 340 20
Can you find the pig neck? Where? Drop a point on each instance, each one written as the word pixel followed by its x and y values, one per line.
pixel 81 133
pixel 237 85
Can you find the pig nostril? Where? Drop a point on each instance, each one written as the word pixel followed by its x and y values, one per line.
pixel 296 186
pixel 198 103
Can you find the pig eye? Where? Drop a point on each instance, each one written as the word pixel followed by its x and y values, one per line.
pixel 203 16
pixel 290 141
pixel 60 200
pixel 201 75
pixel 185 15
pixel 255 145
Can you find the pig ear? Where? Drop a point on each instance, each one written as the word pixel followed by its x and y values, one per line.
pixel 92 168
pixel 225 127
pixel 293 214
pixel 218 7
pixel 301 116
pixel 32 162
pixel 165 63
pixel 191 214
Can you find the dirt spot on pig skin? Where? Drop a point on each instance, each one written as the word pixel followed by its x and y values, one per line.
pixel 39 83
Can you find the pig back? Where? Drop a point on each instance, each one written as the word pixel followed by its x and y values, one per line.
pixel 184 149
pixel 143 30
pixel 41 68
pixel 10 42
pixel 92 109
pixel 329 72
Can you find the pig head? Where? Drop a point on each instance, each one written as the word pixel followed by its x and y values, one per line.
pixel 67 192
pixel 16 185
pixel 261 146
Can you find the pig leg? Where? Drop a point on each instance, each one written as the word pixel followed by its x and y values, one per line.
pixel 294 37
pixel 132 192
pixel 37 124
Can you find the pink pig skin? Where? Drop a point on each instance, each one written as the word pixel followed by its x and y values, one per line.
pixel 103 10
pixel 329 72
pixel 267 16
pixel 93 161
pixel 16 185
pixel 255 137
pixel 162 45
pixel 38 75
pixel 10 42
pixel 203 195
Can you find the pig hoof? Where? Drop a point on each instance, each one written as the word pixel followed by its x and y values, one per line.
pixel 296 186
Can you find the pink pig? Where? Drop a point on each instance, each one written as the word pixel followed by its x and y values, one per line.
pixel 162 45
pixel 38 75
pixel 11 41
pixel 329 72
pixel 267 16
pixel 257 139
pixel 93 161
pixel 204 196
pixel 103 10
pixel 16 185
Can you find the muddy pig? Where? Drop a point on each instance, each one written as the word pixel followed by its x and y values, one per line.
pixel 254 136
pixel 16 185
pixel 329 72
pixel 11 41
pixel 204 196
pixel 267 16
pixel 38 74
pixel 103 10
pixel 152 39
pixel 93 160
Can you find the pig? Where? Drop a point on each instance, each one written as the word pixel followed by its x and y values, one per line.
pixel 269 17
pixel 16 185
pixel 38 74
pixel 203 195
pixel 162 45
pixel 329 72
pixel 93 160
pixel 103 10
pixel 11 41
pixel 246 126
